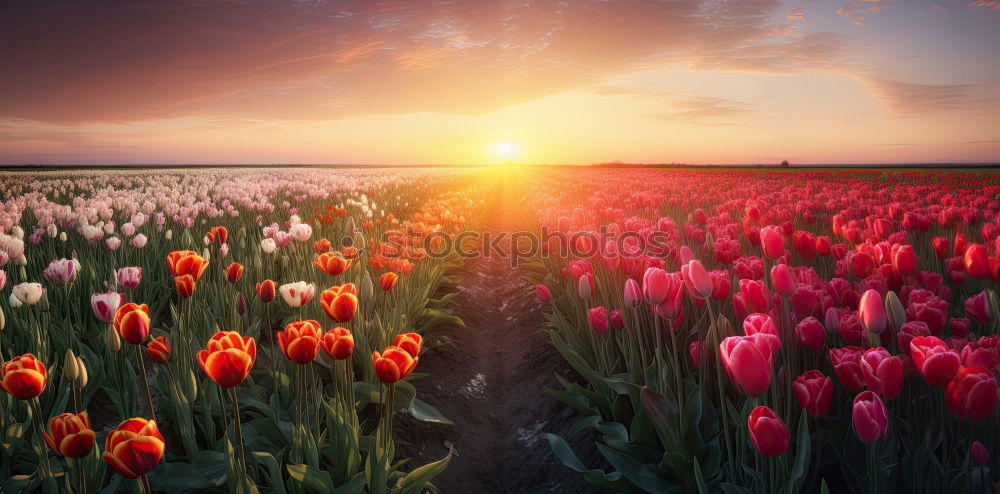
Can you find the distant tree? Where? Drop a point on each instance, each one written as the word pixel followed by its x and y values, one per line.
pixel 785 163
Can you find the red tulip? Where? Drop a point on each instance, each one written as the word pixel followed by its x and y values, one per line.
pixel 748 361
pixel 132 323
pixel 937 363
pixel 228 358
pixel 299 342
pixel 870 417
pixel 904 259
pixel 810 333
pixel 772 240
pixel 388 280
pixel 907 332
pixel 871 312
pixel 814 392
pixel 159 349
pixel 768 432
pixel 23 377
pixel 616 319
pixel 543 293
pixel 266 290
pixel 847 364
pixel 862 264
pixel 393 365
pixel 721 284
pixel 977 262
pixel 70 435
pixel 134 448
pixel 883 372
pixel 694 351
pixel 941 247
pixel 322 246
pixel 598 319
pixel 971 394
pixel 338 343
pixel 186 285
pixel 234 272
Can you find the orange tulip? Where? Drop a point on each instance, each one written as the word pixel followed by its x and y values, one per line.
pixel 71 435
pixel 393 365
pixel 266 290
pixel 340 302
pixel 331 263
pixel 338 343
pixel 132 323
pixel 322 246
pixel 219 232
pixel 411 342
pixel 185 285
pixel 299 342
pixel 388 280
pixel 23 377
pixel 234 272
pixel 184 262
pixel 350 252
pixel 159 349
pixel 228 358
pixel 134 448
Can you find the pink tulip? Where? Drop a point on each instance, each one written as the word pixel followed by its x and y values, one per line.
pixel 654 286
pixel 772 240
pixel 129 277
pixel 977 308
pixel 979 453
pixel 977 262
pixel 616 319
pixel 755 295
pixel 907 332
pixel 871 312
pixel 748 361
pixel 633 294
pixel 721 284
pixel 814 392
pixel 104 305
pixel 768 432
pixel 847 364
pixel 883 372
pixel 697 280
pixel 869 417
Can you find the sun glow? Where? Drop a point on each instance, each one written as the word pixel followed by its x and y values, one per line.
pixel 506 152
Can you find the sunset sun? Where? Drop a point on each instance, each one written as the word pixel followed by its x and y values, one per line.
pixel 506 152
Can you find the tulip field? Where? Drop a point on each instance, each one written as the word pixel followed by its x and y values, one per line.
pixel 728 331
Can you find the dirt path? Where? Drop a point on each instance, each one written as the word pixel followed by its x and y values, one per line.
pixel 488 378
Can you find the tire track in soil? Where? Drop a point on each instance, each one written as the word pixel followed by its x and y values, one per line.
pixel 489 379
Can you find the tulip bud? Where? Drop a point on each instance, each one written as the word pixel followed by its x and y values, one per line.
pixel 583 287
pixel 190 387
pixel 169 235
pixel 980 454
pixel 543 293
pixel 112 341
pixel 241 304
pixel 831 320
pixel 62 236
pixel 70 370
pixel 894 310
pixel 3 320
pixel 83 377
pixel 871 312
pixel 783 280
pixel 359 240
pixel 633 294
pixel 768 432
pixel 367 287
pixel 869 417
pixel 697 280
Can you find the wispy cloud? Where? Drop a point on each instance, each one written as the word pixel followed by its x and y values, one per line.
pixel 908 99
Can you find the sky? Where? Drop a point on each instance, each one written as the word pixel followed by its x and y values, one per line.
pixel 482 82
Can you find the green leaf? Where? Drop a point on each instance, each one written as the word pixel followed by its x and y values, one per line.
pixel 612 481
pixel 314 479
pixel 424 412
pixel 698 478
pixel 414 481
pixel 643 475
pixel 803 451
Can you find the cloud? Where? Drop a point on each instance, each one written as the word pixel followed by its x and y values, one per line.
pixel 858 9
pixel 990 4
pixel 797 14
pixel 73 62
pixel 908 99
